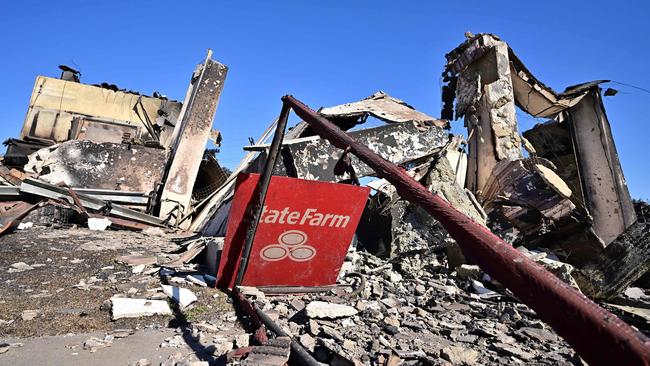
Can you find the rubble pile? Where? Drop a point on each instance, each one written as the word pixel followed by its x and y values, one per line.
pixel 432 316
pixel 365 234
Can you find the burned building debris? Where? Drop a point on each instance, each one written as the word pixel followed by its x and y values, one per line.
pixel 489 80
pixel 586 205
pixel 119 142
pixel 366 234
pixel 106 165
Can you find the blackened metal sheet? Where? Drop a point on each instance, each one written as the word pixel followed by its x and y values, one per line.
pixel 314 158
pixel 108 166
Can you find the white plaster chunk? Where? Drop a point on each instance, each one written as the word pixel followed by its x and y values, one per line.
pixel 135 308
pixel 25 225
pixel 97 224
pixel 554 181
pixel 182 296
pixel 19 267
pixel 29 314
pixel 325 310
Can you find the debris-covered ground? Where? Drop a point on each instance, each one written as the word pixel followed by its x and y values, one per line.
pixel 414 309
pixel 430 316
pixel 60 282
pixel 418 311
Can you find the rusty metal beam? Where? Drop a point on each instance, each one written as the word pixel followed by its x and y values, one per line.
pixel 11 217
pixel 598 336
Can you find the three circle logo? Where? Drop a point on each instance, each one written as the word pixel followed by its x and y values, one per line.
pixel 291 244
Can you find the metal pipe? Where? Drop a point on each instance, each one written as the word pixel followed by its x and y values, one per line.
pixel 262 322
pixel 281 290
pixel 255 206
pixel 43 189
pixel 298 350
pixel 597 335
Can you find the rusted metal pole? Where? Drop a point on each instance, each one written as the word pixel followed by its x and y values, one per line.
pixel 597 335
pixel 255 207
pixel 260 330
pixel 262 321
pixel 298 350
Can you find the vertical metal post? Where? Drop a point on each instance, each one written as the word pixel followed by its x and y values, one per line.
pixel 255 206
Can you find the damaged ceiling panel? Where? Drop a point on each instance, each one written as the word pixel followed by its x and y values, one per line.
pixel 314 158
pixel 382 106
pixel 537 99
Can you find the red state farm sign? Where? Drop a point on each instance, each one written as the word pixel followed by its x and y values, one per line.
pixel 304 232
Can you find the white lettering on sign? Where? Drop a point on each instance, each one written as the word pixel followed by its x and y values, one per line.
pixel 310 217
pixel 291 244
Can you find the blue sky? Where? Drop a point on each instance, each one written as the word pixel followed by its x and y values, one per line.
pixel 325 53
